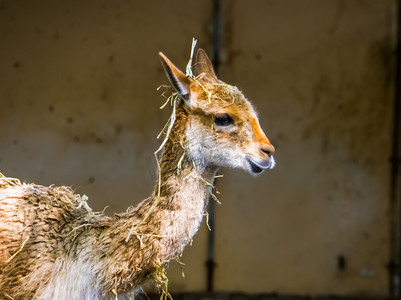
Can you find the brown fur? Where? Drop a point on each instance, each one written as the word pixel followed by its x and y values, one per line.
pixel 52 246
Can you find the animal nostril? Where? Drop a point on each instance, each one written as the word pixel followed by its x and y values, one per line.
pixel 269 150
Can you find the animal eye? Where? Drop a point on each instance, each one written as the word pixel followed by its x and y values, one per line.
pixel 223 120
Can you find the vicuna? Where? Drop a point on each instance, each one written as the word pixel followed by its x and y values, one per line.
pixel 52 246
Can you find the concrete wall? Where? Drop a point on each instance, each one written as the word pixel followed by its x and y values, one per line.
pixel 79 106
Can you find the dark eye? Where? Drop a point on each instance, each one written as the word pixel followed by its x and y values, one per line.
pixel 223 120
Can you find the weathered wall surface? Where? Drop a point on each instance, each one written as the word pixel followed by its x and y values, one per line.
pixel 79 107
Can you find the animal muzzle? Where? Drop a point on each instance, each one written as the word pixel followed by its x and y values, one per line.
pixel 259 166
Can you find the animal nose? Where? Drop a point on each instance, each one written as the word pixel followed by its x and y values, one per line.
pixel 268 149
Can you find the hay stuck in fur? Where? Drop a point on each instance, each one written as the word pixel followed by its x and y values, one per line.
pixel 8 181
pixel 53 246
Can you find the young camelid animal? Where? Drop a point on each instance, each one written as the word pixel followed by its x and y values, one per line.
pixel 52 246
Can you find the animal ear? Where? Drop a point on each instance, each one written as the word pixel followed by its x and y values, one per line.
pixel 204 65
pixel 179 80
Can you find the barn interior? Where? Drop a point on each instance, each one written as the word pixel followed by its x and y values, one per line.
pixel 80 106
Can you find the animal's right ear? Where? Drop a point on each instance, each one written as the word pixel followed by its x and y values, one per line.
pixel 179 80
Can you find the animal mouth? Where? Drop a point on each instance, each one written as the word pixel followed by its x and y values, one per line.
pixel 259 167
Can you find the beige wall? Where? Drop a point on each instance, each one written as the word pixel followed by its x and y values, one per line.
pixel 79 107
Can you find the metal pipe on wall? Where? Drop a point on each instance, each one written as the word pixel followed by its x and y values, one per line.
pixel 210 262
pixel 395 226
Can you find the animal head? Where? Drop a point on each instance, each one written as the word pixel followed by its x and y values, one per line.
pixel 223 128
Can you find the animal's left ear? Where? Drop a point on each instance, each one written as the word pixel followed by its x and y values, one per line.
pixel 205 66
pixel 179 80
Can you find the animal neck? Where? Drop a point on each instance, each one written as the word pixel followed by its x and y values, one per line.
pixel 182 190
pixel 158 229
pixel 176 164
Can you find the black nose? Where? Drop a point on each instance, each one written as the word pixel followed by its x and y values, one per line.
pixel 268 149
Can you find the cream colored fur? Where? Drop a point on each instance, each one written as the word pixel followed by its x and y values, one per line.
pixel 52 246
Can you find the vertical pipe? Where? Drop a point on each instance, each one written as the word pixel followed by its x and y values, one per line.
pixel 394 266
pixel 216 35
pixel 210 262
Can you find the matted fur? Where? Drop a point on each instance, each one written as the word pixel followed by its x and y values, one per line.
pixel 53 246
